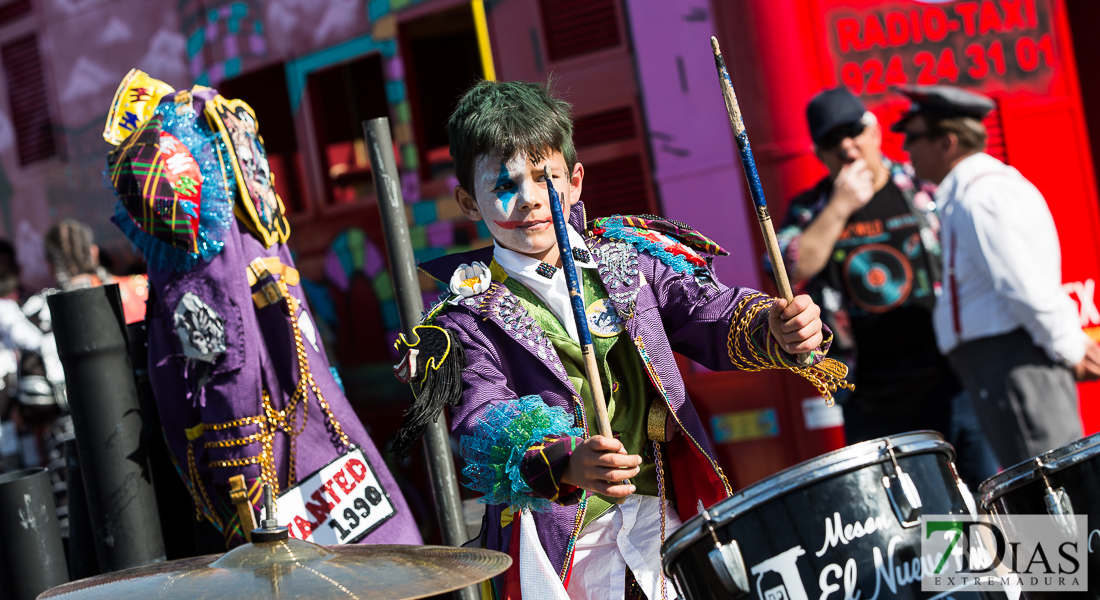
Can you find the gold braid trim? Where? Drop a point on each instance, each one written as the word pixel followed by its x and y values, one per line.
pixel 827 376
pixel 238 423
pixel 203 503
pixel 255 437
pixel 236 462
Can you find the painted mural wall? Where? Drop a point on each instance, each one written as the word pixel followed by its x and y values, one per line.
pixel 86 48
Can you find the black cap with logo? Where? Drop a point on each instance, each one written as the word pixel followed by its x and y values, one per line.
pixel 942 102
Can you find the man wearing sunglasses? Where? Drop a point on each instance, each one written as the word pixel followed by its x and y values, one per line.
pixel 864 243
pixel 1004 321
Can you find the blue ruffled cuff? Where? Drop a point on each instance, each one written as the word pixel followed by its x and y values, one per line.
pixel 495 451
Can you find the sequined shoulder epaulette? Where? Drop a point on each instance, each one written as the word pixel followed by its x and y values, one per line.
pixel 675 244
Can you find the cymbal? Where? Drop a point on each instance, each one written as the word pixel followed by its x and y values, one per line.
pixel 292 568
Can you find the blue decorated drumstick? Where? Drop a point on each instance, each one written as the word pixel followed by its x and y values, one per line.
pixel 576 301
pixel 755 189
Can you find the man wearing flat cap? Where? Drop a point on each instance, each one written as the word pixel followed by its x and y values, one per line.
pixel 1004 322
pixel 863 242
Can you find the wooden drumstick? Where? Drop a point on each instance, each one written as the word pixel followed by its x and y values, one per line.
pixel 755 189
pixel 576 302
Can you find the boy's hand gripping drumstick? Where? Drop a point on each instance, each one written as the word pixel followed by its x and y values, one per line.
pixel 576 302
pixel 755 189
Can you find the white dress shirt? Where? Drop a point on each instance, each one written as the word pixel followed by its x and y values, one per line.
pixel 554 291
pixel 999 236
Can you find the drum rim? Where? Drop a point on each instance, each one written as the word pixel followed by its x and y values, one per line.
pixel 1025 472
pixel 837 462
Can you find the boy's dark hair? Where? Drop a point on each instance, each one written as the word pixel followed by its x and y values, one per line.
pixel 508 117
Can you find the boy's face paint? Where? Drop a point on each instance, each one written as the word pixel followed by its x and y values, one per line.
pixel 513 200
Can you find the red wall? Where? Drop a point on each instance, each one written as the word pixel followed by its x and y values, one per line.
pixel 782 52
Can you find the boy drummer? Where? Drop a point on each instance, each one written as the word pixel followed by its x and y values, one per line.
pixel 522 405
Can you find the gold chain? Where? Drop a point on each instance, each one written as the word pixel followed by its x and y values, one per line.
pixel 305 380
pixel 661 499
pixel 272 420
pixel 238 423
pixel 236 462
pixel 196 482
pixel 235 442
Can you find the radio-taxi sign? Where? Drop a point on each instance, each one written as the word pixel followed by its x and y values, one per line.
pixel 340 504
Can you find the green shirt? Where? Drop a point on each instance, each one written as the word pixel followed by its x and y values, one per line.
pixel 626 386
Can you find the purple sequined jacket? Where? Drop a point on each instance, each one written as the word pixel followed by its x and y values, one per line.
pixel 663 310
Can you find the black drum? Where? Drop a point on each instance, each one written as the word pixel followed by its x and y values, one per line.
pixel 1066 481
pixel 843 525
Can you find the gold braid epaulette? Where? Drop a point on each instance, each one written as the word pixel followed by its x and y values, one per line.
pixel 827 376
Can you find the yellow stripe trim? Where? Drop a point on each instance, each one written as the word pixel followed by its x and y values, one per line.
pixel 195 432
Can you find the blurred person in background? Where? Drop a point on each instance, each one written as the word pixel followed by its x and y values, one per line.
pixel 18 445
pixel 74 261
pixel 1004 322
pixel 863 243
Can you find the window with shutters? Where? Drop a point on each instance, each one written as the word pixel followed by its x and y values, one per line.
pixel 616 187
pixel 14 10
pixel 616 182
pixel 441 62
pixel 28 99
pixel 577 27
pixel 342 97
pixel 601 128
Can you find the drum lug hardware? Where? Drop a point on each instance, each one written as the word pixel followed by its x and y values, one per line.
pixel 968 498
pixel 1058 505
pixel 727 562
pixel 903 495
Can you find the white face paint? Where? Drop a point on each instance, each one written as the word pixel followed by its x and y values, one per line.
pixel 512 199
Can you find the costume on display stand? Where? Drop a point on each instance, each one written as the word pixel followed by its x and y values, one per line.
pixel 239 371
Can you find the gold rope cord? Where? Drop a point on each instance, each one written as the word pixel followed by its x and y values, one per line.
pixel 827 376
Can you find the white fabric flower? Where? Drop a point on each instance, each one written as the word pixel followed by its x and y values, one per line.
pixel 471 280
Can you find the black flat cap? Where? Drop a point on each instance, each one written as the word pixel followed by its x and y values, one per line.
pixel 831 109
pixel 942 102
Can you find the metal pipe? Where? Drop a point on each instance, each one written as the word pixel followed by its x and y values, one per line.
pixel 32 559
pixel 83 561
pixel 410 304
pixel 93 347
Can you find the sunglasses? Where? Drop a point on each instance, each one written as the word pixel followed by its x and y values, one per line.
pixel 913 136
pixel 835 136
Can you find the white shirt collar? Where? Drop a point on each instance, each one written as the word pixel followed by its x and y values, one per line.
pixel 964 171
pixel 554 291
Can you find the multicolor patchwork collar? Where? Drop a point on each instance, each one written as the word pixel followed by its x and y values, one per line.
pixel 674 243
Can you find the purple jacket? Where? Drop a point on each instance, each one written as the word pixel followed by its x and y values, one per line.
pixel 249 350
pixel 667 309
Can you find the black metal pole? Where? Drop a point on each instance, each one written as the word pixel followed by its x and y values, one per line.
pixel 32 559
pixel 83 561
pixel 92 344
pixel 406 287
